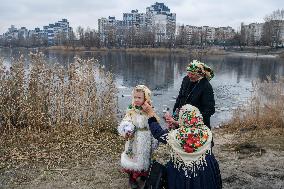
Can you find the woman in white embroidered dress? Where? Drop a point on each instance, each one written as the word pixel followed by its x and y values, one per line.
pixel 192 164
pixel 135 159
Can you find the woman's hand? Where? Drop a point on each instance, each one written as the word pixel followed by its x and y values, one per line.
pixel 172 124
pixel 148 109
pixel 129 135
pixel 170 120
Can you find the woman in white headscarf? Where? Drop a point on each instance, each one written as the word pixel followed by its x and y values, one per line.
pixel 192 164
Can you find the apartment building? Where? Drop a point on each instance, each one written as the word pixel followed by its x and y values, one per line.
pixel 157 19
pixel 205 34
pixel 49 32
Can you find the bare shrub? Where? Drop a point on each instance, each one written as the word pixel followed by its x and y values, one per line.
pixel 42 95
pixel 54 118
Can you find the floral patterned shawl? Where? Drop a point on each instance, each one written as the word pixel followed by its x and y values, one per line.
pixel 191 142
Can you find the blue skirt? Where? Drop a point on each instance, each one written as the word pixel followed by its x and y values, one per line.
pixel 207 178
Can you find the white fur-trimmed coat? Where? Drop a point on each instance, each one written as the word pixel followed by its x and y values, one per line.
pixel 140 160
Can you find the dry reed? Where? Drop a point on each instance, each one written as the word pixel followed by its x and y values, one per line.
pixel 53 115
pixel 42 95
pixel 264 113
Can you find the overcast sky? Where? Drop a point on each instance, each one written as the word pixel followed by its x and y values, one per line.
pixel 85 13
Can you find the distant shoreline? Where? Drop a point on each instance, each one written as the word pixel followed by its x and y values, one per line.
pixel 215 50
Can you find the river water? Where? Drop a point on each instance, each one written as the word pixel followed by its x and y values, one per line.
pixel 163 74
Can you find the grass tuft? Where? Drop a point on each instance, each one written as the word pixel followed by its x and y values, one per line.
pixel 261 121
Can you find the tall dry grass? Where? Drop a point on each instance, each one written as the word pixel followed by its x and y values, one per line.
pixel 53 117
pixel 66 48
pixel 264 111
pixel 40 95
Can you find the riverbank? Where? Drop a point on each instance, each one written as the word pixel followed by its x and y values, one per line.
pixel 215 51
pixel 249 150
pixel 83 158
pixel 264 51
pixel 195 52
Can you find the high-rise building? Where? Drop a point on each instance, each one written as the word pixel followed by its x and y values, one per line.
pixel 157 19
pixel 252 33
pixel 268 33
pixel 162 21
pixel 12 33
pixel 49 33
pixel 23 32
pixel 107 27
pixel 134 18
pixel 58 30
pixel 205 34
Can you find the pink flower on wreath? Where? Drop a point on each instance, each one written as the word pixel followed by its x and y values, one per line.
pixel 193 121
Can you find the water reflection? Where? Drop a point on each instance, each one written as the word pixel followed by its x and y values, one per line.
pixel 163 74
pixel 155 72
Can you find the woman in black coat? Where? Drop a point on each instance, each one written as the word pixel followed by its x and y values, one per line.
pixel 197 91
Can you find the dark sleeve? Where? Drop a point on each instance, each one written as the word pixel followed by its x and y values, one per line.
pixel 157 131
pixel 208 101
pixel 180 94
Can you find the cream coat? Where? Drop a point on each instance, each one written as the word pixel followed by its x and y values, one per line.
pixel 141 144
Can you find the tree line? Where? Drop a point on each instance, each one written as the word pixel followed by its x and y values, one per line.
pixel 143 37
pixel 272 32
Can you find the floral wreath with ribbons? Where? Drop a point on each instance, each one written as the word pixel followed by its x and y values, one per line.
pixel 200 68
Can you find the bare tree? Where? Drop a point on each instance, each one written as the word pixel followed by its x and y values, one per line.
pixel 181 38
pixel 111 37
pixel 60 38
pixel 91 38
pixel 71 41
pixel 160 31
pixel 237 40
pixel 194 40
pixel 88 38
pixel 148 37
pixel 129 37
pixel 272 28
pixel 34 40
pixel 80 32
pixel 203 36
pixel 276 15
pixel 96 39
pixel 22 42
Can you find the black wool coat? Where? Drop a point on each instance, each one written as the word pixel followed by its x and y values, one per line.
pixel 199 94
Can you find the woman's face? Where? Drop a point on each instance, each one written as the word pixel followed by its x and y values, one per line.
pixel 138 98
pixel 193 76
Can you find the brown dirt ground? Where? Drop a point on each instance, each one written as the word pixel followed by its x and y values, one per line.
pixel 90 162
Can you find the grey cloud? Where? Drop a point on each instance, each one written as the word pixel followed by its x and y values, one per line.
pixel 33 13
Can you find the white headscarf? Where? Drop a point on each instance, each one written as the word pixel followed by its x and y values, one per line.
pixel 146 91
pixel 190 143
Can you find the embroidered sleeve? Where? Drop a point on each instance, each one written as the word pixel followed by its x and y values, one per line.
pixel 164 138
pixel 157 131
pixel 155 143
